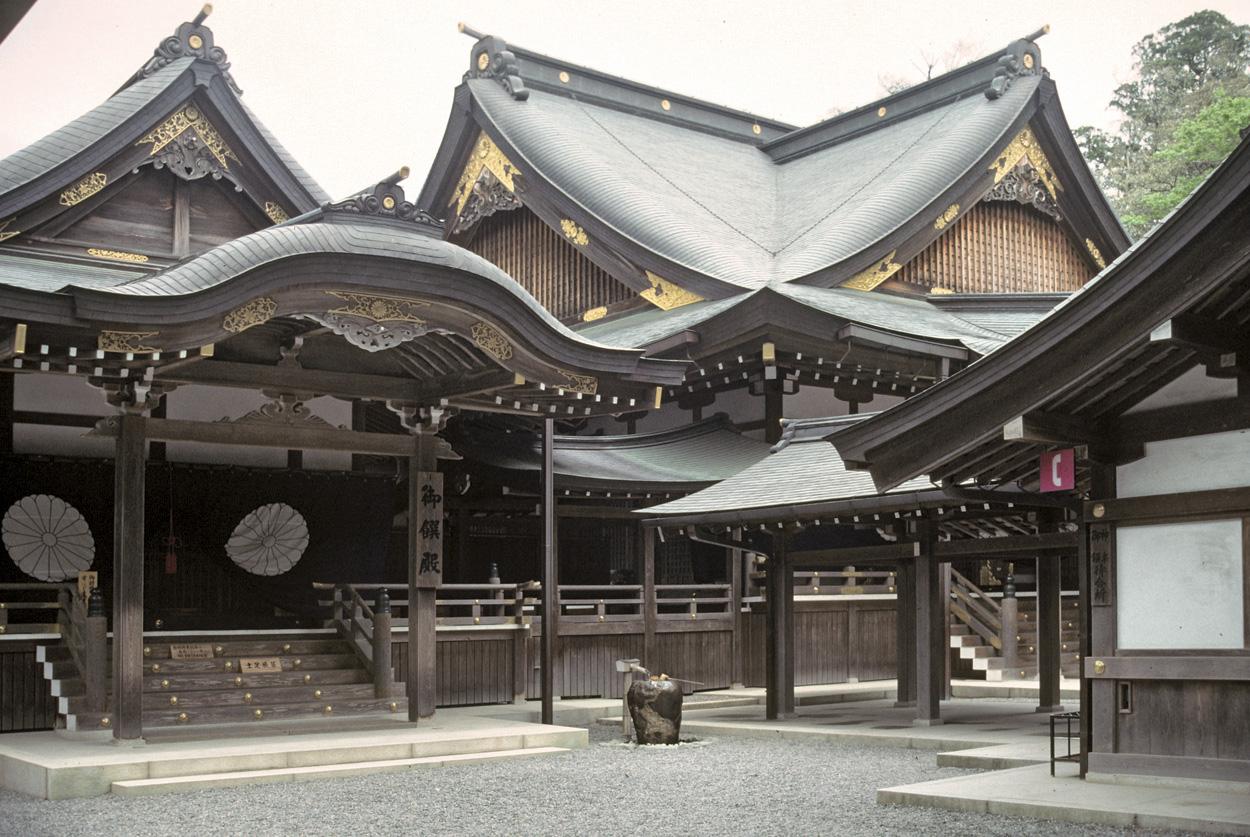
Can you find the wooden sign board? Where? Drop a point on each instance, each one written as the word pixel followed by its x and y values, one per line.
pixel 1058 470
pixel 260 665
pixel 429 534
pixel 191 651
pixel 88 580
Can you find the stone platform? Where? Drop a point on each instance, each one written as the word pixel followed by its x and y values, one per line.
pixel 52 766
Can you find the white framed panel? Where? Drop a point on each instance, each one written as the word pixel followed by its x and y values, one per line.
pixel 1180 586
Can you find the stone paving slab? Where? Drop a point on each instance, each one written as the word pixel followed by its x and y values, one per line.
pixel 1033 792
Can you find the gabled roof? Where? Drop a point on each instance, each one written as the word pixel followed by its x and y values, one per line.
pixel 719 201
pixel 107 142
pixel 801 470
pixel 678 459
pixel 1091 360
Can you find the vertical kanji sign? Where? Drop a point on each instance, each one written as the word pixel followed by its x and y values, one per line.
pixel 429 525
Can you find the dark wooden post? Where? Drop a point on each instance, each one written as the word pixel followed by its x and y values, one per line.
pixel 1048 660
pixel 382 674
pixel 6 414
pixel 780 682
pixel 1097 619
pixel 96 652
pixel 128 487
pixel 930 663
pixel 905 626
pixel 649 608
pixel 945 581
pixel 1009 635
pixel 425 572
pixel 551 579
pixel 735 607
pixel 520 648
pixel 773 408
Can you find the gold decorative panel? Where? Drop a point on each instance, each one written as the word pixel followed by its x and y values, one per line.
pixel 379 308
pixel 585 384
pixel 251 313
pixel 275 212
pixel 664 294
pixel 116 255
pixel 595 314
pixel 491 340
pixel 190 118
pixel 126 341
pixel 574 232
pixel 1095 252
pixel 84 188
pixel 5 232
pixel 868 279
pixel 951 213
pixel 485 156
pixel 1025 147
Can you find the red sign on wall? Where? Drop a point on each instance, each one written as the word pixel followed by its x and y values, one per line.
pixel 1058 470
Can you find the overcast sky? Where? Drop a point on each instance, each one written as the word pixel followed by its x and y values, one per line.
pixel 356 88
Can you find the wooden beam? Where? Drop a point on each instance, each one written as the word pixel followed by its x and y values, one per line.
pixel 854 555
pixel 294 379
pixel 128 558
pixel 984 547
pixel 1049 429
pixel 1207 336
pixel 1186 504
pixel 271 436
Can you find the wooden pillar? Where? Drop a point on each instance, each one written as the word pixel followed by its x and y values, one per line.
pixel 95 653
pixel 905 625
pixel 773 410
pixel 6 413
pixel 738 678
pixel 930 656
pixel 551 579
pixel 1009 620
pixel 1047 642
pixel 128 488
pixel 649 652
pixel 425 572
pixel 945 575
pixel 780 658
pixel 1098 712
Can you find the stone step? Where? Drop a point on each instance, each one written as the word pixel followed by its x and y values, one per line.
pixel 61 669
pixel 224 649
pixel 976 652
pixel 1024 661
pixel 180 784
pixel 239 713
pixel 1027 673
pixel 254 697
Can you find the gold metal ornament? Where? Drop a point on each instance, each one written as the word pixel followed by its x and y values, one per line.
pixel 585 384
pixel 173 700
pixel 328 709
pixel 126 341
pixel 881 111
pixel 1099 667
pixel 1027 61
pixel 307 678
pixel 238 681
pixel 1025 147
pixel 574 233
pixel 388 202
pixel 116 255
pixel 951 213
pixel 485 156
pixel 217 650
pixel 756 129
pixel 868 279
pixel 483 61
pixel 317 694
pixel 195 41
pixel 106 722
pixel 5 233
pixel 297 662
pixel 595 314
pixel 1098 510
pixel 394 707
pixel 666 295
pixel 164 684
pixel 258 714
pixel 156 667
pixel 247 697
pixel 275 212
pixel 147 652
pixel 666 104
pixel 251 313
pixel 491 340
pixel 187 119
pixel 286 649
pixel 564 76
pixel 380 309
pixel 1095 253
pixel 183 718
pixel 84 189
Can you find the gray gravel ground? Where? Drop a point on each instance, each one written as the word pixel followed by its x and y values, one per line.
pixel 718 786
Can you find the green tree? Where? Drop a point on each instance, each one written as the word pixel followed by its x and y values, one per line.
pixel 1179 116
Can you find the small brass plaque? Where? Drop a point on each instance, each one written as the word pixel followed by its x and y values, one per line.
pixel 191 651
pixel 260 665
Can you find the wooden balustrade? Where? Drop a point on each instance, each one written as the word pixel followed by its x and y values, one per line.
pixel 693 601
pixel 845 582
pixel 978 611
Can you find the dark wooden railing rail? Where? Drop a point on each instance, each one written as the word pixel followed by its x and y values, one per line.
pixel 971 606
pixel 693 601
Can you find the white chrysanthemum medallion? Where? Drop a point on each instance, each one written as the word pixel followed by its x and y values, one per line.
pixel 269 540
pixel 47 538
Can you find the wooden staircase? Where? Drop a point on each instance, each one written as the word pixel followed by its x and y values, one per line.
pixel 978 623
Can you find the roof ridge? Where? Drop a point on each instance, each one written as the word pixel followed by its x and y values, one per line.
pixel 192 39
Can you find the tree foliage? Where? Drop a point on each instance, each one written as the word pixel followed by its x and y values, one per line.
pixel 1181 116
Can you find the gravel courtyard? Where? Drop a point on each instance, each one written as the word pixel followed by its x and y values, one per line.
pixel 717 786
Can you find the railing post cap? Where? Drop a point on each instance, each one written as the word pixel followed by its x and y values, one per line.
pixel 382 603
pixel 95 602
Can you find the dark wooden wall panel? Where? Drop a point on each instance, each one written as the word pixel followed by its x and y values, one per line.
pixel 26 702
pixel 1199 718
pixel 703 656
pixel 139 217
pixel 1000 247
pixel 874 651
pixel 563 280
pixel 586 665
pixel 471 669
pixel 821 645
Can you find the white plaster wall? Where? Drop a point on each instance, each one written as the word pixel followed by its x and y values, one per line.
pixel 1196 463
pixel 1194 386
